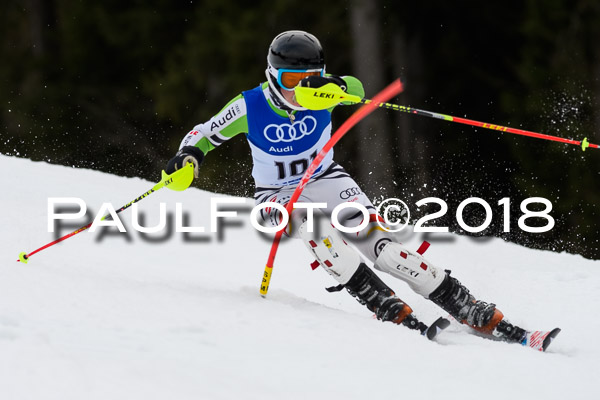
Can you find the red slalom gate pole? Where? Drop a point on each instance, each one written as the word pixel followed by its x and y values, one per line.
pixel 390 91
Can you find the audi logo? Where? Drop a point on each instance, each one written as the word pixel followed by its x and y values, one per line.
pixel 346 194
pixel 290 132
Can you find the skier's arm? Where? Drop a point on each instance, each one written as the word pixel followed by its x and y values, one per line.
pixel 227 123
pixel 353 87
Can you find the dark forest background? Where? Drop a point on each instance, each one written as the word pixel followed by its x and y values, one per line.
pixel 114 86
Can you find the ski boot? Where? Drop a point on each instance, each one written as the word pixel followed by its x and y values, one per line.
pixel 372 292
pixel 454 297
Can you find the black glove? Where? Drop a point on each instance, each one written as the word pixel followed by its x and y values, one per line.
pixel 318 81
pixel 185 155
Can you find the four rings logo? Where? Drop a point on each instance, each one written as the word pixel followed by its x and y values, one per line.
pixel 290 132
pixel 346 194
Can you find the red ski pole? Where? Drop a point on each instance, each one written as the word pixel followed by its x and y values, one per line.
pixel 330 95
pixel 583 143
pixel 178 181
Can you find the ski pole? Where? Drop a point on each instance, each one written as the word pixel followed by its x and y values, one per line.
pixel 390 91
pixel 330 95
pixel 178 181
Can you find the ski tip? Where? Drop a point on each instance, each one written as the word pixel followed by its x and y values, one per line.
pixel 548 340
pixel 436 327
pixel 23 257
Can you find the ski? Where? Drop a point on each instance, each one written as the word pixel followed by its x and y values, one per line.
pixel 540 340
pixel 506 332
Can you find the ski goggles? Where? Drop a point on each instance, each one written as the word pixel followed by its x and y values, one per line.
pixel 288 79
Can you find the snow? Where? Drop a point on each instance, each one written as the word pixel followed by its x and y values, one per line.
pixel 118 319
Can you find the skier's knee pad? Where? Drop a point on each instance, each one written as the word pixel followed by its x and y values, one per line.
pixel 337 258
pixel 422 276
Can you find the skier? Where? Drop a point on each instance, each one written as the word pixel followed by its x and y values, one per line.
pixel 284 137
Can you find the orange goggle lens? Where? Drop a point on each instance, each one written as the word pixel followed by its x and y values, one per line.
pixel 290 79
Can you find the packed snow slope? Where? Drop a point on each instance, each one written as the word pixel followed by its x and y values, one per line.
pixel 126 318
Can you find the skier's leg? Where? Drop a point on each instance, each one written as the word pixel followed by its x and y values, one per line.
pixel 438 286
pixel 388 256
pixel 344 264
pixel 339 260
pixel 447 292
pixel 382 248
